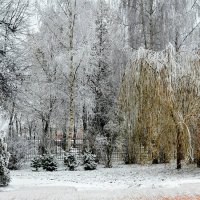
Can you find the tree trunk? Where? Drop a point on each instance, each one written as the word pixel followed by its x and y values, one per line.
pixel 84 120
pixel 16 125
pixel 179 149
pixel 20 127
pixel 71 118
pixel 75 130
pixel 10 131
pixel 64 139
pixel 151 26
pixel 72 18
pixel 43 149
pixel 198 162
pixel 179 138
pixel 143 24
pixel 30 130
pixel 109 152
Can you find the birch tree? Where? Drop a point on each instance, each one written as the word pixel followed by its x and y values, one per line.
pixel 72 35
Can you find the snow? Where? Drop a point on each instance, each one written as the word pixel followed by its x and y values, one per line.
pixel 120 182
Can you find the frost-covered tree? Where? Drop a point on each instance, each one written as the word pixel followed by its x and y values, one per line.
pixel 153 24
pixel 41 91
pixel 89 161
pixel 36 162
pixel 70 161
pixel 100 80
pixel 13 18
pixel 49 163
pixel 17 148
pixel 69 22
pixel 4 159
pixel 159 102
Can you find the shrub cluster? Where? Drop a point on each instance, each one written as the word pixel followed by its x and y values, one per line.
pixel 47 162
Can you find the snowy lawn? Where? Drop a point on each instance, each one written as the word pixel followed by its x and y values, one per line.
pixel 121 182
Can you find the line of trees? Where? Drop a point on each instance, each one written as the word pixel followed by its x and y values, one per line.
pixel 80 69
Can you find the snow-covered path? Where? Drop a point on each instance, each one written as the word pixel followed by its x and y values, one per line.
pixel 72 193
pixel 121 182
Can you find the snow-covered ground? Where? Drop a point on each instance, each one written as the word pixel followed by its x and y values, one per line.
pixel 121 182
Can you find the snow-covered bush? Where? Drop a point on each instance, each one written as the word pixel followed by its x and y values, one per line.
pixel 109 139
pixel 19 149
pixel 105 147
pixel 89 161
pixel 4 158
pixel 36 162
pixel 49 163
pixel 70 161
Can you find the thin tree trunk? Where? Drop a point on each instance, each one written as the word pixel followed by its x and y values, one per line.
pixel 179 150
pixel 16 125
pixel 84 120
pixel 75 130
pixel 109 152
pixel 71 117
pixel 10 131
pixel 20 127
pixel 180 132
pixel 151 25
pixel 72 18
pixel 43 148
pixel 143 24
pixel 30 130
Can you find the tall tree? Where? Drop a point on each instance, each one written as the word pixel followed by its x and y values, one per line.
pixel 159 111
pixel 101 80
pixel 13 18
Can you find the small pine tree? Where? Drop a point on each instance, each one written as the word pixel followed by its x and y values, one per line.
pixel 36 163
pixel 4 159
pixel 70 161
pixel 89 161
pixel 49 163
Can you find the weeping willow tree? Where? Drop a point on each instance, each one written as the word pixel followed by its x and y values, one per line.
pixel 196 119
pixel 159 100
